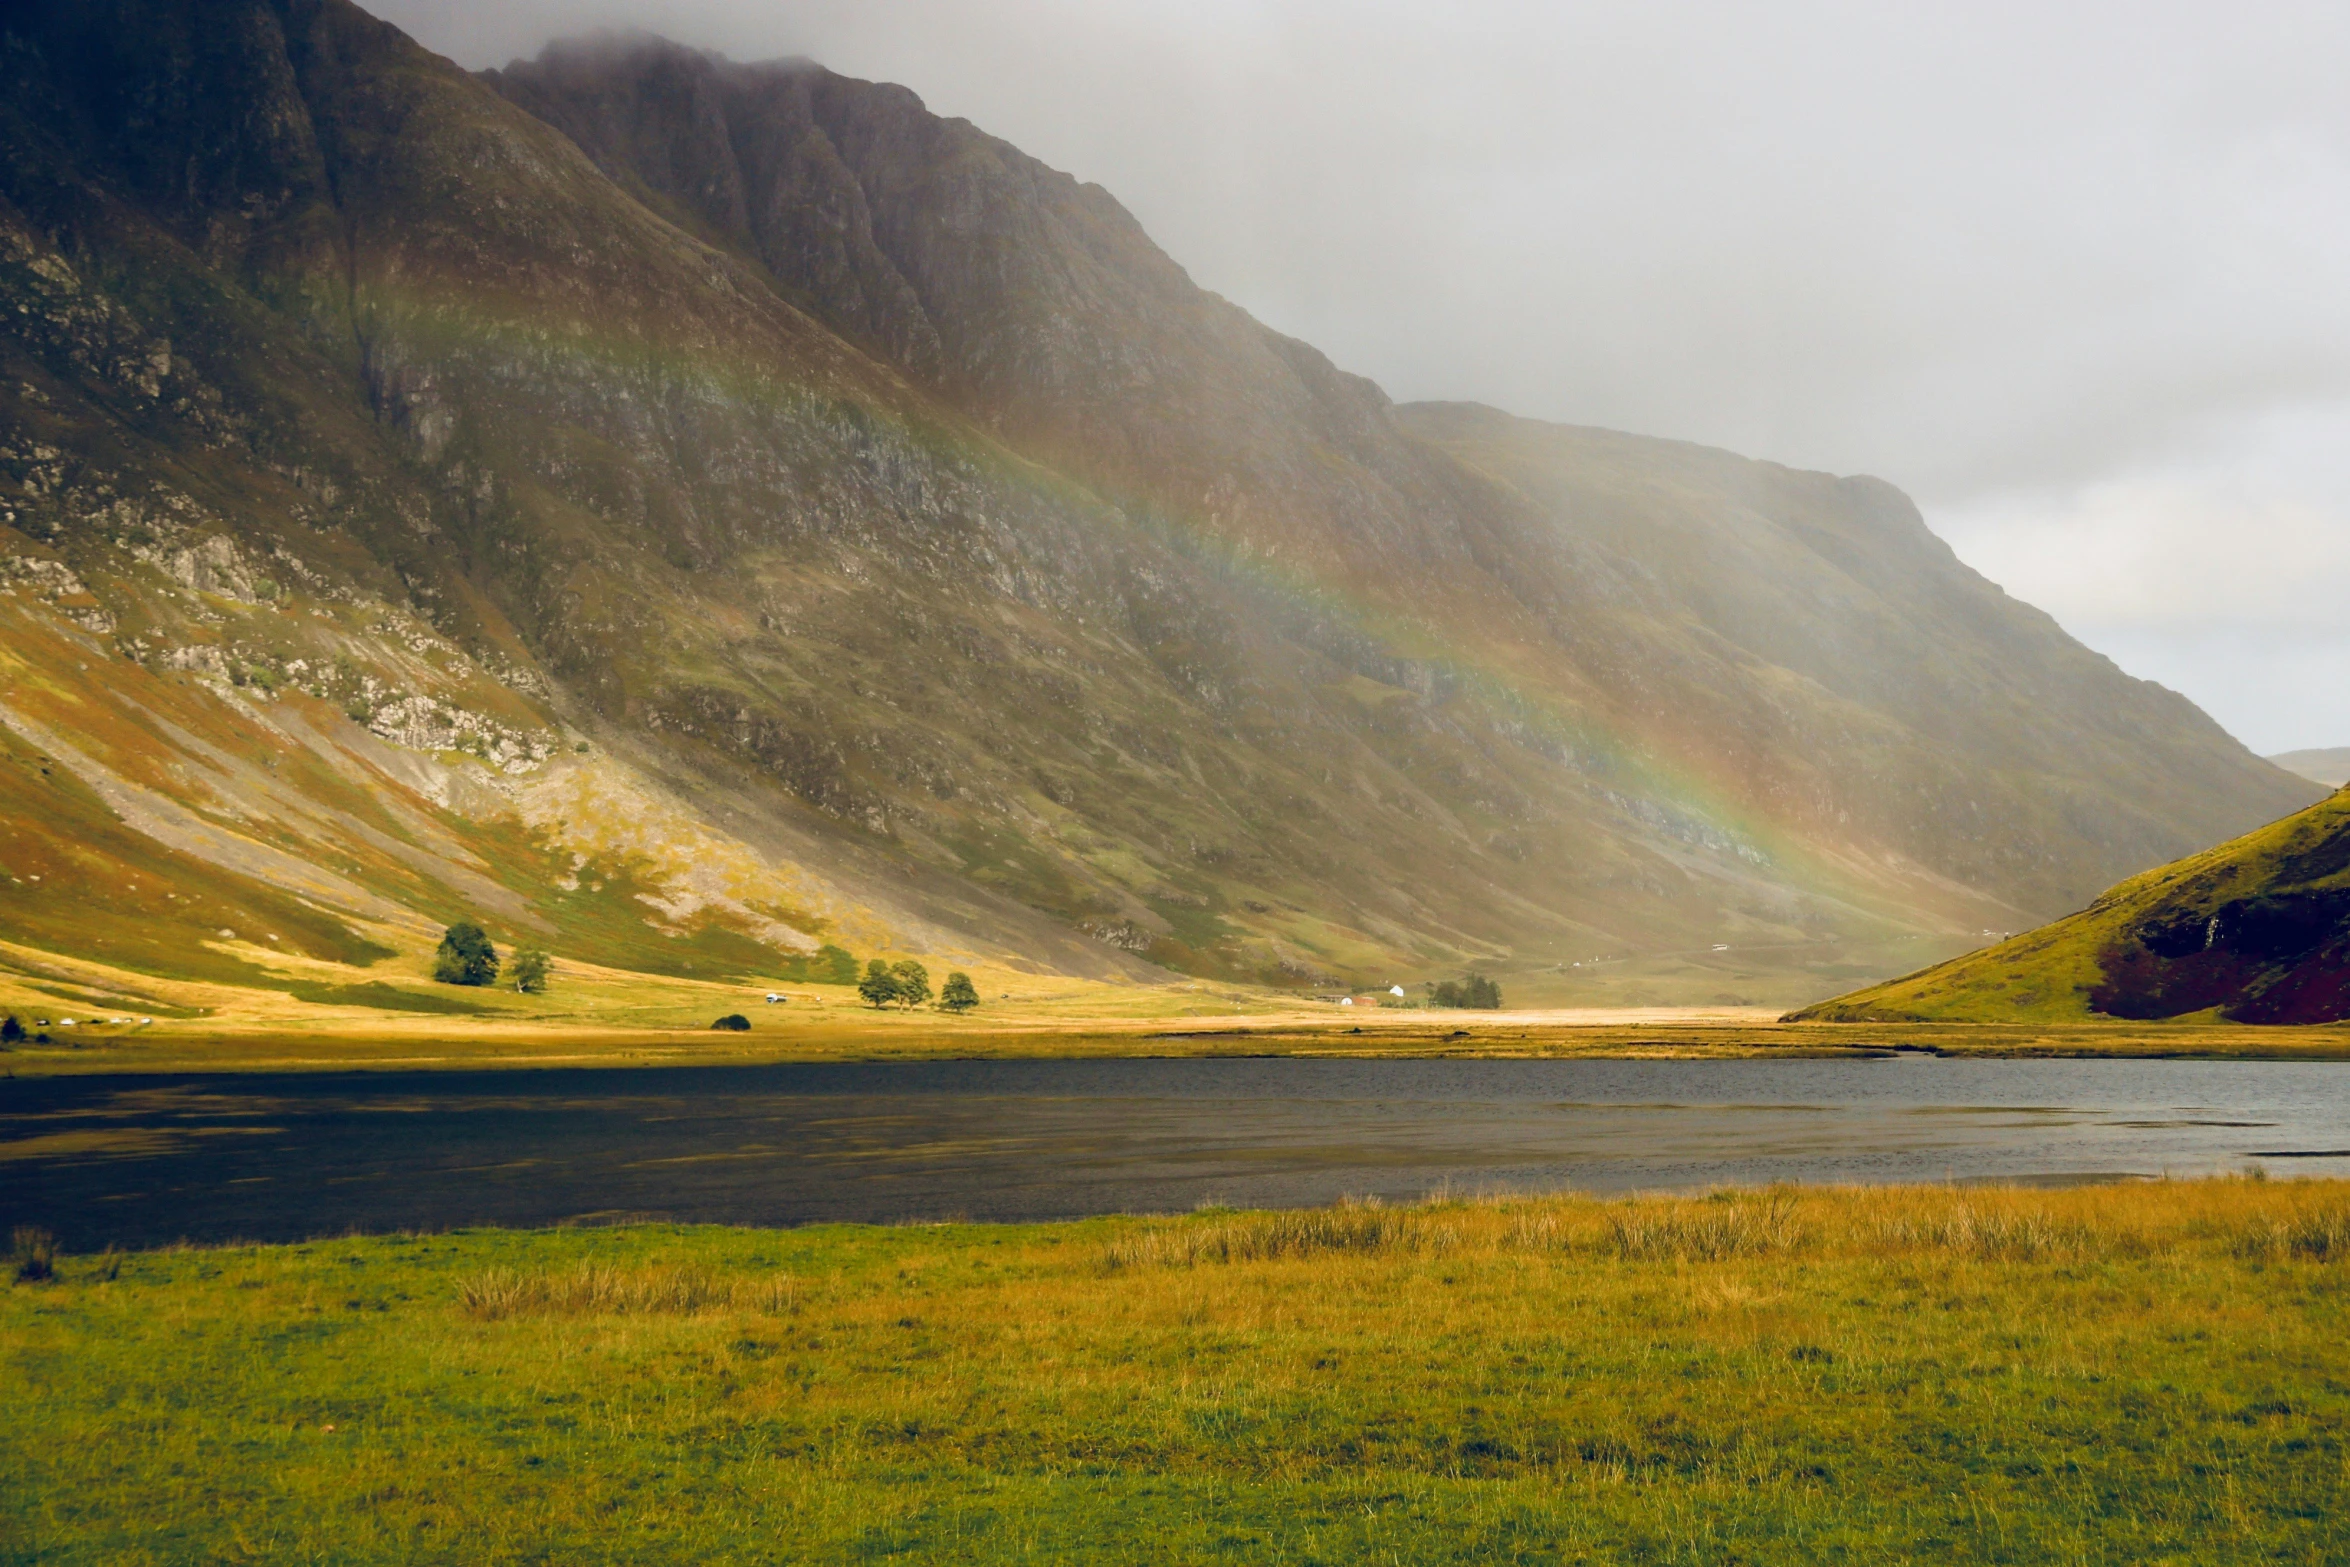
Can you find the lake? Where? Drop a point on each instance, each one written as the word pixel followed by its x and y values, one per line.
pixel 139 1161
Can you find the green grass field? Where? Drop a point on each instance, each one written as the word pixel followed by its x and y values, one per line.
pixel 2118 1374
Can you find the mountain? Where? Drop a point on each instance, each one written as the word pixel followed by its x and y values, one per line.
pixel 689 513
pixel 2254 931
pixel 2330 767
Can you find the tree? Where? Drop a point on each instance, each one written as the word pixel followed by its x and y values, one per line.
pixel 465 956
pixel 733 1023
pixel 11 1031
pixel 530 970
pixel 879 987
pixel 958 994
pixel 1472 990
pixel 913 982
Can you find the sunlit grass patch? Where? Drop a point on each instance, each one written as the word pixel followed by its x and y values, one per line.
pixel 2317 1235
pixel 2125 1374
pixel 594 1289
pixel 1360 1226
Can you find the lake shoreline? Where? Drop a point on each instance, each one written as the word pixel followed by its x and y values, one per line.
pixel 1599 1034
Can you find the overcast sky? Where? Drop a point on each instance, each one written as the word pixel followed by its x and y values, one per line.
pixel 2076 277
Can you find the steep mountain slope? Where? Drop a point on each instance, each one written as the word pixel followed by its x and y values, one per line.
pixel 797 518
pixel 1061 325
pixel 1837 657
pixel 2256 931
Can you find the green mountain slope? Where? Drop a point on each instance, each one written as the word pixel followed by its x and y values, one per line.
pixel 2254 931
pixel 688 513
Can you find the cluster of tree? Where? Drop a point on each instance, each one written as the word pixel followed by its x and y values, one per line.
pixel 465 957
pixel 907 984
pixel 733 1023
pixel 1472 990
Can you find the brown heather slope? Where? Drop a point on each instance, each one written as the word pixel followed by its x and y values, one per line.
pixel 2254 931
pixel 801 518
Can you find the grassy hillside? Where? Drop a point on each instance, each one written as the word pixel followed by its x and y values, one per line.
pixel 2124 1375
pixel 2254 931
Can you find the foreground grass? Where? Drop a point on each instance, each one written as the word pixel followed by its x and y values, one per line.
pixel 2131 1374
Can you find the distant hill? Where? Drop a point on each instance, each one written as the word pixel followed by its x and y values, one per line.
pixel 2328 767
pixel 2254 931
pixel 685 512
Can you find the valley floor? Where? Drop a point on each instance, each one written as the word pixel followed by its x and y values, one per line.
pixel 844 1033
pixel 2117 1374
pixel 335 1016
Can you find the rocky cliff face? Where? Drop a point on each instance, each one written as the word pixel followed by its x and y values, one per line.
pixel 895 523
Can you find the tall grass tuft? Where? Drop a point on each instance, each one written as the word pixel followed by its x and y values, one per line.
pixel 32 1254
pixel 1355 1225
pixel 1988 1225
pixel 2006 1236
pixel 592 1290
pixel 2320 1235
pixel 1722 1226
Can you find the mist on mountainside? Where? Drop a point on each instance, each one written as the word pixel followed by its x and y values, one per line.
pixel 2071 281
pixel 696 512
pixel 2328 767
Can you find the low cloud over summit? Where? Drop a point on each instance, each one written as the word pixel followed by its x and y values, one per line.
pixel 2070 277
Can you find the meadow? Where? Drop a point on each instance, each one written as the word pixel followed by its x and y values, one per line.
pixel 2140 1373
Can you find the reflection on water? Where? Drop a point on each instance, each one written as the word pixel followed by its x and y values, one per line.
pixel 141 1161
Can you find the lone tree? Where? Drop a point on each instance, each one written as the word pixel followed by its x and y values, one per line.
pixel 11 1031
pixel 879 987
pixel 733 1023
pixel 530 970
pixel 958 994
pixel 913 982
pixel 465 956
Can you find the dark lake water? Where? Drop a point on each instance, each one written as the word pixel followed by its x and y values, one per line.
pixel 140 1161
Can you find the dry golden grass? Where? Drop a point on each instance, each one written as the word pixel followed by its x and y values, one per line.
pixel 2251 1219
pixel 594 1289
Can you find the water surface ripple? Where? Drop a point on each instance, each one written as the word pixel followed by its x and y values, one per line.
pixel 140 1161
